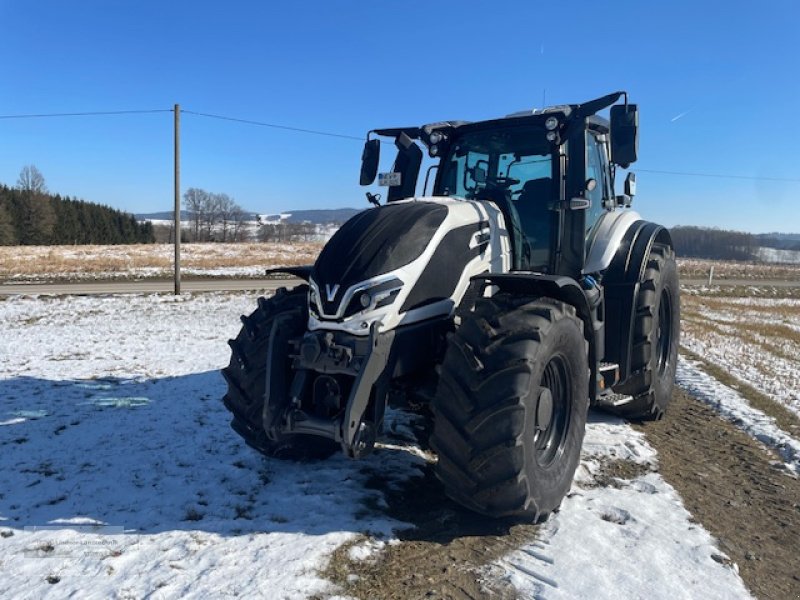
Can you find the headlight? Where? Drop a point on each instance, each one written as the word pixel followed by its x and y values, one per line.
pixel 378 295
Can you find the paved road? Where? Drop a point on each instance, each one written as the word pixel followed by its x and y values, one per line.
pixel 218 285
pixel 138 287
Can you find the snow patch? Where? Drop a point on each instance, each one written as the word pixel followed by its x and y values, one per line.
pixel 733 407
pixel 631 540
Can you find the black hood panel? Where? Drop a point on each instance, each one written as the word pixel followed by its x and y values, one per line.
pixel 374 242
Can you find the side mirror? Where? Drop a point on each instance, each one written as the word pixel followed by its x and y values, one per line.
pixel 624 134
pixel 369 161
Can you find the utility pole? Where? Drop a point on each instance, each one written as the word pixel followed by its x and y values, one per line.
pixel 177 112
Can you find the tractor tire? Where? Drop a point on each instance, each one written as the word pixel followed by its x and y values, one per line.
pixel 510 408
pixel 654 348
pixel 246 375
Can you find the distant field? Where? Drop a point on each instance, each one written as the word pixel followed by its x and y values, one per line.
pixel 65 263
pixel 693 268
pixel 48 263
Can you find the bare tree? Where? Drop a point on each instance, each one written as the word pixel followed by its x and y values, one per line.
pixel 31 180
pixel 225 208
pixel 38 215
pixel 196 201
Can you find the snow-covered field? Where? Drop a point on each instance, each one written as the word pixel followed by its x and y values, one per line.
pixel 137 261
pixel 756 340
pixel 42 263
pixel 121 479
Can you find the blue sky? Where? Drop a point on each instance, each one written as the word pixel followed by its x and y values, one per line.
pixel 729 68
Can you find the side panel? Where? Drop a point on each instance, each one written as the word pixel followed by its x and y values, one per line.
pixel 621 286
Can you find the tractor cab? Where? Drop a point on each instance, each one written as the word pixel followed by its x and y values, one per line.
pixel 550 171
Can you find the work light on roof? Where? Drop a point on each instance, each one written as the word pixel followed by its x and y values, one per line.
pixel 551 123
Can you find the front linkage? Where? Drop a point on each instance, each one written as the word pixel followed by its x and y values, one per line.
pixel 326 368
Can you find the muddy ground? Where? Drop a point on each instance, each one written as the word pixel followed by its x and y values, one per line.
pixel 727 481
pixel 730 484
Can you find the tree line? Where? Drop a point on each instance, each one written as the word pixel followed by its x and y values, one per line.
pixel 721 244
pixel 214 217
pixel 30 215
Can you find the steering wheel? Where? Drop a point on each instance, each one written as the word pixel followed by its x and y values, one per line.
pixel 502 181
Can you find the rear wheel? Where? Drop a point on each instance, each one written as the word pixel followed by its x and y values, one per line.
pixel 246 374
pixel 654 351
pixel 510 408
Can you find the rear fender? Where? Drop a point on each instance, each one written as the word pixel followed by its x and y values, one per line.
pixel 621 287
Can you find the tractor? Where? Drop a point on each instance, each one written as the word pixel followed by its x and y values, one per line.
pixel 515 294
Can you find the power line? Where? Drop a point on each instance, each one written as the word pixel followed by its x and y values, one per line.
pixel 346 137
pixel 275 126
pixel 684 173
pixel 86 114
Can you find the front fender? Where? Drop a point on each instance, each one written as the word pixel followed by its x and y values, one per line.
pixel 559 287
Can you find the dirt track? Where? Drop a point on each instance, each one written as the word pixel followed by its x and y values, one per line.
pixel 728 484
pixel 724 477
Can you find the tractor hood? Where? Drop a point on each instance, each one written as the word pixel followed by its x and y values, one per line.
pixel 404 262
pixel 374 242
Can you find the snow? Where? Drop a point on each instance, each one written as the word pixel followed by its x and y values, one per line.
pixel 112 431
pixel 751 338
pixel 778 255
pixel 732 406
pixel 111 415
pixel 631 540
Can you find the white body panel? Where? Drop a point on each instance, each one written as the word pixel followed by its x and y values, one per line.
pixel 495 258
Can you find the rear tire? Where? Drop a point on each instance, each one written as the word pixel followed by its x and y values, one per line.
pixel 510 408
pixel 654 351
pixel 246 375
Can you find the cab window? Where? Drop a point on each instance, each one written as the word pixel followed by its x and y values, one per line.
pixel 594 170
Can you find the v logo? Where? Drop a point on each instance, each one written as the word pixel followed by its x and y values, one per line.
pixel 330 292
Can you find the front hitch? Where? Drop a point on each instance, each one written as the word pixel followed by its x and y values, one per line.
pixel 318 353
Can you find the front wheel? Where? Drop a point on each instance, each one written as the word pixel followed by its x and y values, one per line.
pixel 510 408
pixel 246 374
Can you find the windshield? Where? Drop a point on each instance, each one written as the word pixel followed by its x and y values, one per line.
pixel 506 157
pixel 512 167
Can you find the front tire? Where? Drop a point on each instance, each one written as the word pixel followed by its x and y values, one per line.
pixel 510 408
pixel 654 348
pixel 246 374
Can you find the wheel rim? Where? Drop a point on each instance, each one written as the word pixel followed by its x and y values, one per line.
pixel 664 331
pixel 553 411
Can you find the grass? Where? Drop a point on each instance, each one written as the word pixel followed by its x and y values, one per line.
pixel 695 268
pixel 146 260
pixel 758 334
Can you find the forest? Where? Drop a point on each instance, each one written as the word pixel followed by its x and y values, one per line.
pixel 30 215
pixel 720 244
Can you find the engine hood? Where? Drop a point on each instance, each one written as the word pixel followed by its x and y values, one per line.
pixel 374 242
pixel 404 262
